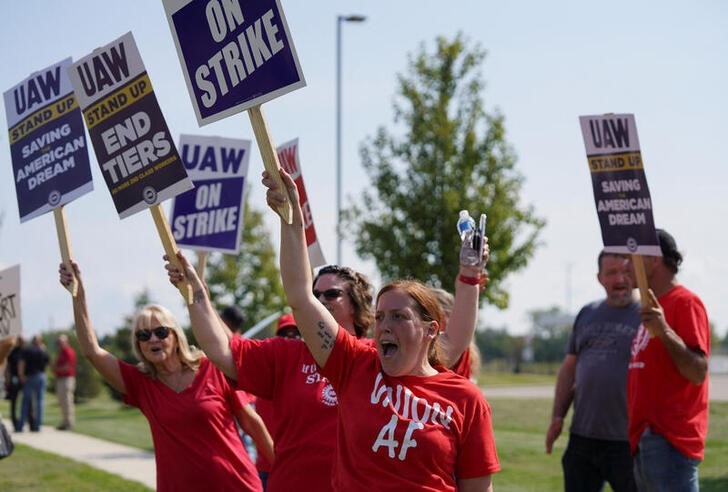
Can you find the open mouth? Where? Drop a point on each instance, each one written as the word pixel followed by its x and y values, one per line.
pixel 156 349
pixel 389 349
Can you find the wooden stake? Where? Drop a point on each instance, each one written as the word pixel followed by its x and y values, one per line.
pixel 64 243
pixel 170 247
pixel 270 157
pixel 201 264
pixel 639 271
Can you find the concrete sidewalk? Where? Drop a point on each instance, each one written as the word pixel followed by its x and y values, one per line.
pixel 125 461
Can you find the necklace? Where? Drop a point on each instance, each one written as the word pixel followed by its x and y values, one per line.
pixel 176 381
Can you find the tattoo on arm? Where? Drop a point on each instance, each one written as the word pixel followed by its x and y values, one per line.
pixel 327 340
pixel 198 296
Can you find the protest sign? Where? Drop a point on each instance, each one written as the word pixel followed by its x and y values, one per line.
pixel 210 217
pixel 47 142
pixel 288 157
pixel 234 58
pixel 620 188
pixel 10 319
pixel 133 145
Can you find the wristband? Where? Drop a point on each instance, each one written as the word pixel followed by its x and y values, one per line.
pixel 469 280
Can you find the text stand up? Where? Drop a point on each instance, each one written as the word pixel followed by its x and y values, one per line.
pixel 270 158
pixel 64 243
pixel 170 248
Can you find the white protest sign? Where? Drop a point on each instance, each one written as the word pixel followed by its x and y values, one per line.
pixel 10 319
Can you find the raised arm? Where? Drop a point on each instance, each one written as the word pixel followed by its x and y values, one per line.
pixel 210 331
pixel 317 326
pixel 103 361
pixel 464 317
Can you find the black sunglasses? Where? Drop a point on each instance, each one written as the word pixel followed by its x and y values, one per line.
pixel 161 332
pixel 329 294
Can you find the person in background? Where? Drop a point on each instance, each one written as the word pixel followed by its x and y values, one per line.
pixel 13 386
pixel 594 376
pixel 187 401
pixel 667 390
pixel 64 369
pixel 31 372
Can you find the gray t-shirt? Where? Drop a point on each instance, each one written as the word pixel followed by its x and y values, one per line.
pixel 601 340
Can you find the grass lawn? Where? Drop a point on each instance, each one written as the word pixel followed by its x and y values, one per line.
pixel 519 426
pixel 29 469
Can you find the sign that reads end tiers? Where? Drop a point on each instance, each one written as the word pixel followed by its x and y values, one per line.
pixel 47 142
pixel 234 55
pixel 210 217
pixel 288 156
pixel 620 187
pixel 133 145
pixel 10 318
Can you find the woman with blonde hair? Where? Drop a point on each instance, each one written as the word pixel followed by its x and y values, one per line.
pixel 188 402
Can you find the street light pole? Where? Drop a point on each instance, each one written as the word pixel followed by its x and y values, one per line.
pixel 339 20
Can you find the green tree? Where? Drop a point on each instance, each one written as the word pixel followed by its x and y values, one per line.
pixel 88 381
pixel 250 279
pixel 445 154
pixel 550 329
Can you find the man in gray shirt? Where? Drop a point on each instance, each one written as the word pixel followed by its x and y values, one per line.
pixel 594 376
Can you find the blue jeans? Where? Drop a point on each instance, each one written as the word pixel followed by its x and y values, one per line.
pixel 658 466
pixel 33 393
pixel 588 463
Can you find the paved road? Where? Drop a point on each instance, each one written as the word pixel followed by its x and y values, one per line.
pixel 718 390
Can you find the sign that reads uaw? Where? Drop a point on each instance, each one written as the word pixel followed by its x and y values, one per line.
pixel 47 142
pixel 288 156
pixel 10 319
pixel 620 187
pixel 210 216
pixel 133 145
pixel 234 55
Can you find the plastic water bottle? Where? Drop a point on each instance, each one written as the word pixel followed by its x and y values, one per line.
pixel 465 223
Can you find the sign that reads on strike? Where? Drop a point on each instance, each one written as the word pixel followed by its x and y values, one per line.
pixel 234 55
pixel 133 145
pixel 620 187
pixel 210 217
pixel 10 318
pixel 47 142
pixel 288 156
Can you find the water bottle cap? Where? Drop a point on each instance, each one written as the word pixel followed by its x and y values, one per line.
pixel 464 213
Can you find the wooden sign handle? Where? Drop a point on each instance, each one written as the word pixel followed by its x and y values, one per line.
pixel 639 271
pixel 170 247
pixel 201 264
pixel 270 157
pixel 64 243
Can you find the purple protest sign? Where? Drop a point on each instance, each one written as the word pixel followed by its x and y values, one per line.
pixel 210 217
pixel 47 142
pixel 234 55
pixel 133 146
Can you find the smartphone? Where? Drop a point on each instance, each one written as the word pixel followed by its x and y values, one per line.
pixel 478 243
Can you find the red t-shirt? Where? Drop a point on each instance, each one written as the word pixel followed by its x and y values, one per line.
pixel 463 365
pixel 66 355
pixel 304 435
pixel 264 408
pixel 657 394
pixel 409 432
pixel 196 444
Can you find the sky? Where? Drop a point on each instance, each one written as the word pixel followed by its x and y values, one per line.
pixel 547 63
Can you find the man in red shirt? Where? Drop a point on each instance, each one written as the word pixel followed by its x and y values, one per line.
pixel 65 370
pixel 667 387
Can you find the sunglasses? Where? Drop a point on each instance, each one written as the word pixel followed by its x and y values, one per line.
pixel 161 332
pixel 329 294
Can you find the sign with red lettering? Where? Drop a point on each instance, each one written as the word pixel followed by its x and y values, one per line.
pixel 288 156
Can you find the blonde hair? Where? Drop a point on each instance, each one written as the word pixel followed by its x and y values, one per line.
pixel 189 355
